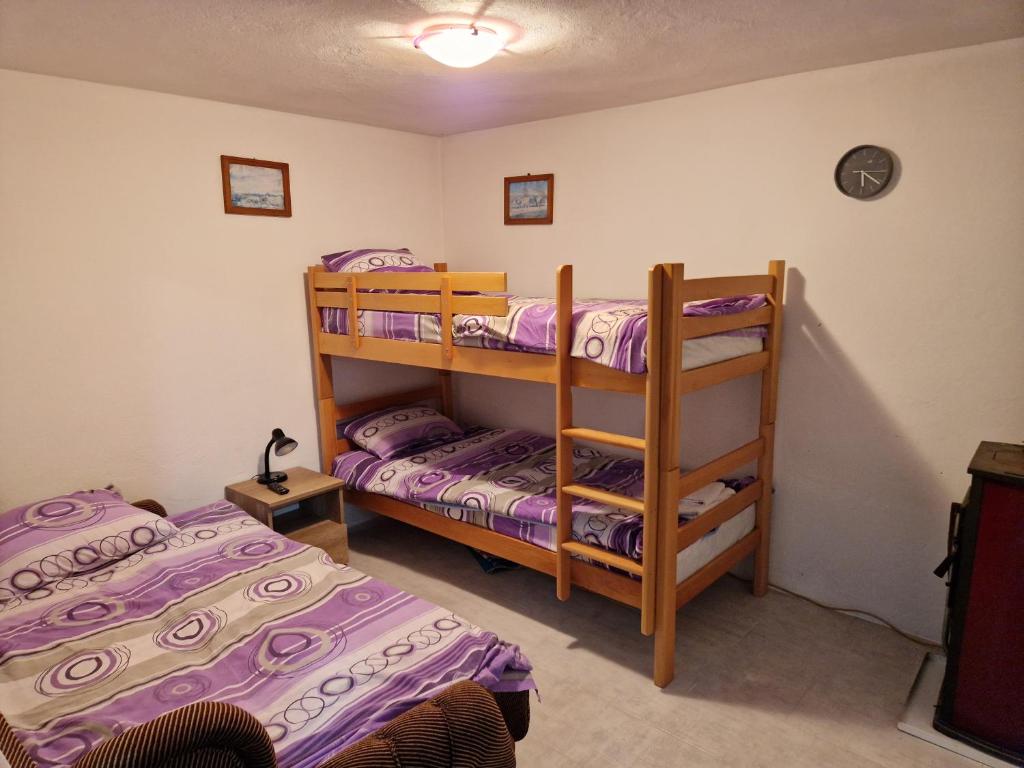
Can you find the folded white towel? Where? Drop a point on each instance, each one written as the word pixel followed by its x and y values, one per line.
pixel 702 500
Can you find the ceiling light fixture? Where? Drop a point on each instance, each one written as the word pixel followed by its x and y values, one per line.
pixel 459 45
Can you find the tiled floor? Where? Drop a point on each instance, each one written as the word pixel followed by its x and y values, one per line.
pixel 773 681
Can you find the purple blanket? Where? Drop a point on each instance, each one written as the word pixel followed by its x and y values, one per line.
pixel 609 332
pixel 227 610
pixel 505 480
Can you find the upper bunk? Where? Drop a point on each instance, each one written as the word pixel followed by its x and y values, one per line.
pixel 446 321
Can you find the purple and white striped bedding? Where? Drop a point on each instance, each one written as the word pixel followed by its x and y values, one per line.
pixel 611 332
pixel 504 480
pixel 227 610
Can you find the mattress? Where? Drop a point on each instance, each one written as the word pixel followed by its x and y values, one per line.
pixel 688 562
pixel 226 609
pixel 612 333
pixel 504 480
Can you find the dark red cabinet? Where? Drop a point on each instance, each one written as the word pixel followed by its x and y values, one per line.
pixel 982 696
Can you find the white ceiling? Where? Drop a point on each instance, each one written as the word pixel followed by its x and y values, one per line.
pixel 354 60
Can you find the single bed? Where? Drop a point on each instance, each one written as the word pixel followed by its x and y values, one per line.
pixel 505 480
pixel 609 332
pixel 129 619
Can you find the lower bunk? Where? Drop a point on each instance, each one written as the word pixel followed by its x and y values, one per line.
pixel 495 490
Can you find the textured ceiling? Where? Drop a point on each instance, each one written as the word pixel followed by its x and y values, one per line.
pixel 353 59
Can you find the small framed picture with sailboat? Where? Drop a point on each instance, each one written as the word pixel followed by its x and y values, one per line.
pixel 255 187
pixel 530 199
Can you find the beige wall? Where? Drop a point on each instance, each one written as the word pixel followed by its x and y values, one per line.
pixel 148 338
pixel 904 343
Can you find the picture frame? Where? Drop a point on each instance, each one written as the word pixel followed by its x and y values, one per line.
pixel 255 187
pixel 530 199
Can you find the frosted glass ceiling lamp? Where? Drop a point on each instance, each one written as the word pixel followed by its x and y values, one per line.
pixel 459 45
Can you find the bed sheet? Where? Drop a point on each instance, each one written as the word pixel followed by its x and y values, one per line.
pixel 228 610
pixel 610 332
pixel 504 480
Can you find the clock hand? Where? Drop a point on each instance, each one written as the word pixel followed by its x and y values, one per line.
pixel 865 173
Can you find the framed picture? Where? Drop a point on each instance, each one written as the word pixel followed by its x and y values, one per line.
pixel 255 187
pixel 530 199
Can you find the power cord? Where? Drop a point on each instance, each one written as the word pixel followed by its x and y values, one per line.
pixel 849 611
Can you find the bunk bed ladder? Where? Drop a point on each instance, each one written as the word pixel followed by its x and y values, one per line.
pixel 567 433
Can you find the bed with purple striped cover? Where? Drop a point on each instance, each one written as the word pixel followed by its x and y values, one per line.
pixel 225 609
pixel 610 332
pixel 504 479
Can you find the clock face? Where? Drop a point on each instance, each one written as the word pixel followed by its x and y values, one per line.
pixel 864 172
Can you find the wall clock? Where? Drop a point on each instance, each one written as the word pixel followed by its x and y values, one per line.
pixel 864 172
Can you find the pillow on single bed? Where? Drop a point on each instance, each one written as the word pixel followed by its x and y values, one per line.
pixel 49 540
pixel 374 260
pixel 400 431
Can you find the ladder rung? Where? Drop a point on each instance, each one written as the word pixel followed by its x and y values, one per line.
pixel 609 438
pixel 604 497
pixel 604 556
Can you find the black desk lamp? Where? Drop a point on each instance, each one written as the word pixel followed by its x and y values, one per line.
pixel 281 444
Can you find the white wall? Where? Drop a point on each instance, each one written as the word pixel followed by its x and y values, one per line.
pixel 147 338
pixel 904 339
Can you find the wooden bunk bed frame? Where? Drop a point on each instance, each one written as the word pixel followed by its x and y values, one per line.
pixel 651 584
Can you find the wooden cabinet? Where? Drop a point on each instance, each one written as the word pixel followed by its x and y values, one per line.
pixel 319 519
pixel 982 696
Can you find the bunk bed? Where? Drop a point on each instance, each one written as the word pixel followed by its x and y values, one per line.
pixel 455 301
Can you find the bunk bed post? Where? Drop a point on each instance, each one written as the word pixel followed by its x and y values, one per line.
pixel 445 377
pixel 668 474
pixel 769 398
pixel 652 438
pixel 563 421
pixel 323 379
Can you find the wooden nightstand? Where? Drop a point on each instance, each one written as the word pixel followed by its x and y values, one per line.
pixel 320 519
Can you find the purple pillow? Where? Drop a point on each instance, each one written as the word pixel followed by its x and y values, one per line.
pixel 401 431
pixel 374 260
pixel 50 540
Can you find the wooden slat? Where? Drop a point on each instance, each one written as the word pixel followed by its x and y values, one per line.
pixel 447 341
pixel 695 529
pixel 717 568
pixel 653 426
pixel 563 419
pixel 488 362
pixel 444 383
pixel 591 375
pixel 769 398
pixel 716 373
pixel 603 556
pixel 694 327
pixel 353 312
pixel 415 281
pixel 323 379
pixel 705 288
pixel 406 397
pixel 409 302
pixel 605 497
pixel 605 438
pixel 720 467
pixel 668 474
pixel 601 581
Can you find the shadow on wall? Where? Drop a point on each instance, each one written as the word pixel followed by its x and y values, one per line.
pixel 849 485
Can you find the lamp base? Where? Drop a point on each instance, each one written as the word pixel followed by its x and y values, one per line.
pixel 273 477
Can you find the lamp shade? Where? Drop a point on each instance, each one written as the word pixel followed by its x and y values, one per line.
pixel 282 443
pixel 459 45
